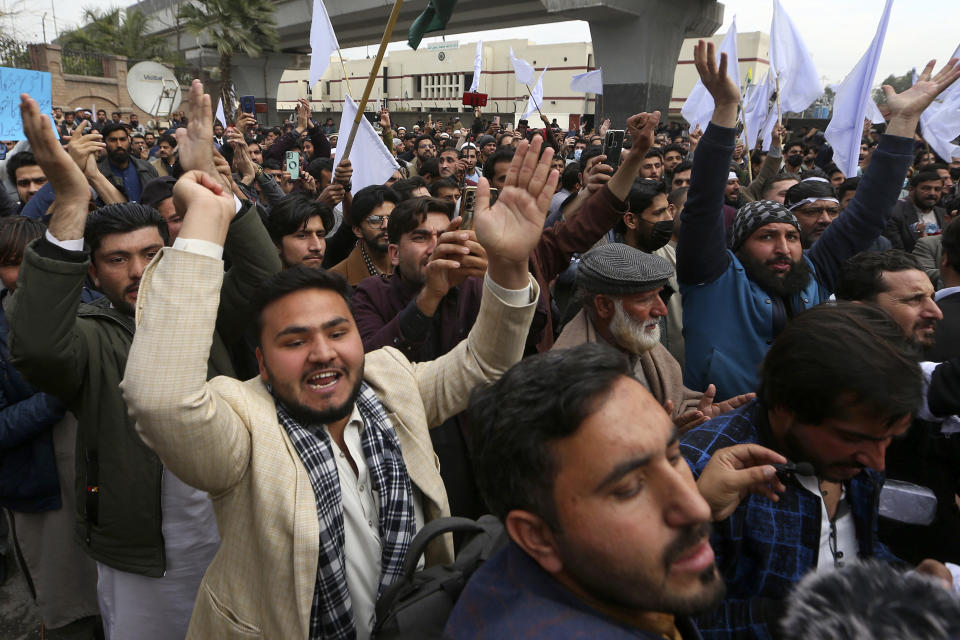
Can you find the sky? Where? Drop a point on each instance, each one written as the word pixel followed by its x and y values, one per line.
pixel 837 32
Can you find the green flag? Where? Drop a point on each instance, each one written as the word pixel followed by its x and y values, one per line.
pixel 433 18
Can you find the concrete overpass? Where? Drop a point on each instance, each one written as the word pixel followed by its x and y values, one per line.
pixel 637 42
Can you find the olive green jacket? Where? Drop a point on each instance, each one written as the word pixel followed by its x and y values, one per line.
pixel 78 352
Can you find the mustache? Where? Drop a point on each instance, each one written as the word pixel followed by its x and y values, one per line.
pixel 688 539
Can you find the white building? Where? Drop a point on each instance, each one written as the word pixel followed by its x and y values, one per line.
pixel 434 78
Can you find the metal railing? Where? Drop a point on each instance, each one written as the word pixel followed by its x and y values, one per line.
pixel 83 63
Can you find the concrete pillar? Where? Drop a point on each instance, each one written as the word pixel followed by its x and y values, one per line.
pixel 637 42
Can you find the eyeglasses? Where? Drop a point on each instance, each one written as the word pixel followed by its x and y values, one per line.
pixel 376 221
pixel 426 146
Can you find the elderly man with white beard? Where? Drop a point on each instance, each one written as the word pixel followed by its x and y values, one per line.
pixel 622 294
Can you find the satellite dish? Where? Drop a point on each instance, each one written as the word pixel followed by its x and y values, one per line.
pixel 153 88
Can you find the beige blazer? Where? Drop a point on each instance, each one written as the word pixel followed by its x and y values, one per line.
pixel 223 436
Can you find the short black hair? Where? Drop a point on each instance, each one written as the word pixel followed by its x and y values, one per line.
pixel 21 159
pixel 796 143
pixel 369 198
pixel 442 183
pixel 678 195
pixel 589 152
pixel 16 232
pixel 642 193
pixel 541 399
pixel 920 154
pixel 686 165
pixel 674 147
pixel 404 188
pixel 850 184
pixel 654 152
pixel 835 357
pixel 430 167
pixel 570 176
pixel 292 280
pixel 498 156
pixel 809 189
pixel 272 163
pixel 950 240
pixel 169 138
pixel 924 175
pixel 112 126
pixel 319 165
pixel 123 217
pixel 421 138
pixel 412 212
pixel 861 276
pixel 292 212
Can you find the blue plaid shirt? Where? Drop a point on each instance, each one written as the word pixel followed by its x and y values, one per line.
pixel 765 547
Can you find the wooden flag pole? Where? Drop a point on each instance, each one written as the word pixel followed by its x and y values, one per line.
pixel 779 114
pixel 373 76
pixel 530 91
pixel 343 68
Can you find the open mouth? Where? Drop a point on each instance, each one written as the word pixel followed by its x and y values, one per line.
pixel 323 380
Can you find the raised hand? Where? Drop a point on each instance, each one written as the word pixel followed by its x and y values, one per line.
pixel 303 114
pixel 385 118
pixel 734 472
pixel 207 208
pixel 712 409
pixel 83 150
pixel 195 142
pixel 906 107
pixel 510 229
pixel 726 94
pixel 641 128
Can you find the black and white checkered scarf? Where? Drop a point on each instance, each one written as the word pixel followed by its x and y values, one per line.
pixel 331 616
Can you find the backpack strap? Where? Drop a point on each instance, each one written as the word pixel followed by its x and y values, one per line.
pixel 430 531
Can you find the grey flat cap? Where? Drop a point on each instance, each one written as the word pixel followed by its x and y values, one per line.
pixel 619 269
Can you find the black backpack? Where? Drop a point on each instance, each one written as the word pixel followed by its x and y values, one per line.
pixel 417 605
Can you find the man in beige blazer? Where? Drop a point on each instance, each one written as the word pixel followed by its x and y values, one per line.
pixel 259 447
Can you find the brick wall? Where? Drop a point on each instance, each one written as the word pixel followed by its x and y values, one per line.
pixel 108 92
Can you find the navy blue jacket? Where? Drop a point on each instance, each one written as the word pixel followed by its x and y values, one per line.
pixel 511 596
pixel 28 470
pixel 729 322
pixel 764 548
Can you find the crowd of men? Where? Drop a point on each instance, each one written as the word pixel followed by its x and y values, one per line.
pixel 233 396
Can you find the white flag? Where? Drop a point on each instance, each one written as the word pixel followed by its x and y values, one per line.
pixel 219 115
pixel 372 162
pixel 873 113
pixel 940 122
pixel 851 102
pixel 323 42
pixel 790 60
pixel 477 65
pixel 698 109
pixel 522 69
pixel 589 82
pixel 756 109
pixel 536 96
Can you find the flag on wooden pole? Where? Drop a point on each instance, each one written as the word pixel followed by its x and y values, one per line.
pixel 790 60
pixel 522 69
pixel 940 122
pixel 433 18
pixel 851 102
pixel 323 42
pixel 589 82
pixel 219 115
pixel 477 65
pixel 536 96
pixel 371 160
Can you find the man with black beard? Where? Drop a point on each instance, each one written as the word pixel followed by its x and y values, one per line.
pixel 737 299
pixel 126 173
pixel 838 384
pixel 920 214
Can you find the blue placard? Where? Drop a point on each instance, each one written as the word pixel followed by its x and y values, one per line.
pixel 13 82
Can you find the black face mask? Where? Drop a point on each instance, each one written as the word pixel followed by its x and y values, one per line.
pixel 659 236
pixel 795 160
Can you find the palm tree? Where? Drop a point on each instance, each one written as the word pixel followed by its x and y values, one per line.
pixel 233 26
pixel 124 32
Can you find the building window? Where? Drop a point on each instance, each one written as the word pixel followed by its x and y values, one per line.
pixel 447 86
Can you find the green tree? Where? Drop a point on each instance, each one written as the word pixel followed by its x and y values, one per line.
pixel 233 27
pixel 124 32
pixel 899 83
